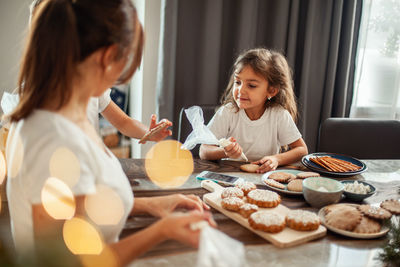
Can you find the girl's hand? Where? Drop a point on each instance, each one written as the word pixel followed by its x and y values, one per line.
pixel 164 205
pixel 233 150
pixel 177 226
pixel 161 134
pixel 268 163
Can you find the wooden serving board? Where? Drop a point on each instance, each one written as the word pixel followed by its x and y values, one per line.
pixel 286 238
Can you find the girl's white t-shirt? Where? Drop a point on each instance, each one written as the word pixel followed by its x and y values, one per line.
pixel 35 147
pixel 97 105
pixel 258 138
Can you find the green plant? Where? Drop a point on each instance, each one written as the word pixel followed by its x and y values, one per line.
pixel 387 20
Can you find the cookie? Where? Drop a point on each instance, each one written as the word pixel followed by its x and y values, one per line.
pixel 302 220
pixel 304 175
pixel 232 203
pixel 232 192
pixel 249 167
pixel 296 185
pixel 246 187
pixel 163 124
pixel 274 183
pixel 344 217
pixel 263 198
pixel 267 221
pixel 281 177
pixel 375 212
pixel 367 226
pixel 247 209
pixel 392 205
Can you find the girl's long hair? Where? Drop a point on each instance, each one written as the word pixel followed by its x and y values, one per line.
pixel 274 68
pixel 62 34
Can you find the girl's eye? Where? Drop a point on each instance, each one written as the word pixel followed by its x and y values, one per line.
pixel 237 82
pixel 252 86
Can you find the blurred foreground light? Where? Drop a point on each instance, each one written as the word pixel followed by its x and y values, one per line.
pixel 3 168
pixel 107 258
pixel 104 207
pixel 64 165
pixel 81 237
pixel 15 147
pixel 167 165
pixel 57 199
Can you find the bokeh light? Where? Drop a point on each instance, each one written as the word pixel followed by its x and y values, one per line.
pixel 167 165
pixel 3 168
pixel 107 258
pixel 64 165
pixel 57 199
pixel 81 237
pixel 104 207
pixel 14 164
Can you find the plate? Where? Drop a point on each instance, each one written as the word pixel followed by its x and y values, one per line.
pixel 284 191
pixel 384 229
pixel 315 167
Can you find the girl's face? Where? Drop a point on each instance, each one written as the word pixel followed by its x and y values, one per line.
pixel 250 90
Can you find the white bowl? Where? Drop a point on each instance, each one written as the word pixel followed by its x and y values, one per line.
pixel 321 191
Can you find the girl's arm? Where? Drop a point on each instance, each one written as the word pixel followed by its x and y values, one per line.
pixel 297 150
pixel 211 152
pixel 131 127
pixel 174 226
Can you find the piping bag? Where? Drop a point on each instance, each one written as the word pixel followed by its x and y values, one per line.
pixel 201 134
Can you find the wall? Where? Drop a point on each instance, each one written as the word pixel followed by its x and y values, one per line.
pixel 14 17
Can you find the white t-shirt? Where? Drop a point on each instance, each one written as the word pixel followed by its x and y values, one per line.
pixel 41 134
pixel 97 105
pixel 258 138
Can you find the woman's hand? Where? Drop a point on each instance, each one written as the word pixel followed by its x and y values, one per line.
pixel 233 150
pixel 177 226
pixel 268 163
pixel 161 134
pixel 164 205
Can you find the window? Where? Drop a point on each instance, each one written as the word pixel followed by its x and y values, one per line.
pixel 377 80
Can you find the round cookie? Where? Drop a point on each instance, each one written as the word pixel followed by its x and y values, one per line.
pixel 249 167
pixel 304 175
pixel 302 220
pixel 295 185
pixel 247 209
pixel 232 203
pixel 367 226
pixel 274 183
pixel 267 221
pixel 232 192
pixel 392 205
pixel 375 212
pixel 246 187
pixel 263 198
pixel 281 177
pixel 344 217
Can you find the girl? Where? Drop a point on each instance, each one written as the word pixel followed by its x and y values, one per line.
pixel 77 49
pixel 258 113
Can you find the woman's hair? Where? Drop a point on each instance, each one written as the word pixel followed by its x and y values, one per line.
pixel 274 68
pixel 63 33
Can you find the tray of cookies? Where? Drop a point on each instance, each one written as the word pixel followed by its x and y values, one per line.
pixel 260 211
pixel 287 181
pixel 333 164
pixel 357 221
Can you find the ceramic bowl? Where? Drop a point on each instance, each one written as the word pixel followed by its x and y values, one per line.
pixel 321 191
pixel 355 196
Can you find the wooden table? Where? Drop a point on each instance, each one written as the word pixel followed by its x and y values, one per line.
pixel 332 250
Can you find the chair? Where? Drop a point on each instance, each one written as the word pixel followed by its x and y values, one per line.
pixel 185 128
pixel 361 138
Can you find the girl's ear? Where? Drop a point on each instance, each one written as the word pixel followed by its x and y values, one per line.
pixel 108 56
pixel 273 91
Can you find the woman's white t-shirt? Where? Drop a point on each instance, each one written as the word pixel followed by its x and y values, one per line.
pixel 33 146
pixel 97 105
pixel 258 138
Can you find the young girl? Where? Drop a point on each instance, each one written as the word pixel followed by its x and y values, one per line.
pixel 104 105
pixel 258 113
pixel 77 49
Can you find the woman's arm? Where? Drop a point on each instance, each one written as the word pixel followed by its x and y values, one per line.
pixel 297 150
pixel 174 226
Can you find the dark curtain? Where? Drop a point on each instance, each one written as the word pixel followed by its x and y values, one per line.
pixel 201 38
